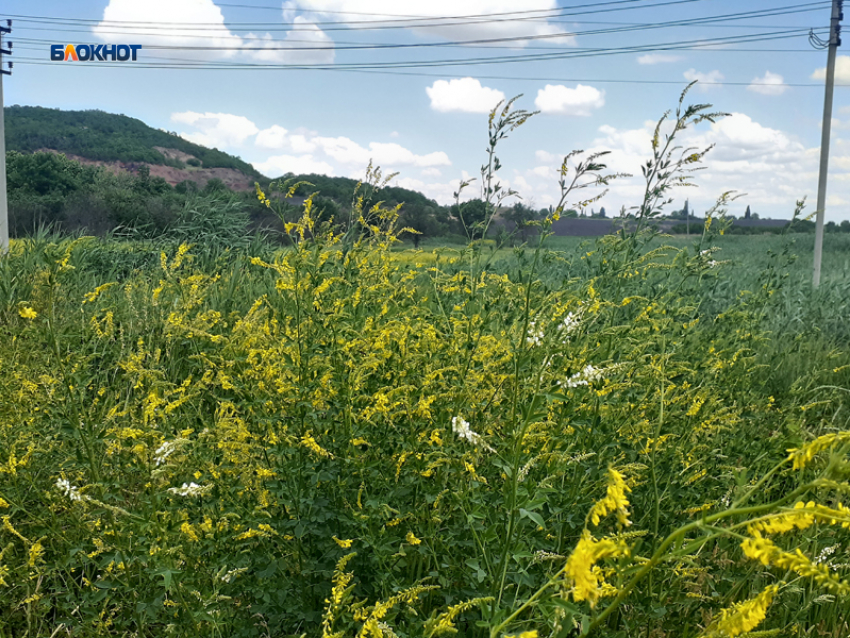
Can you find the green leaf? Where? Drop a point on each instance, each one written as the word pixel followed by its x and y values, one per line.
pixel 534 516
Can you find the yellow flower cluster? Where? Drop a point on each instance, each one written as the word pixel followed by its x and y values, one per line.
pixel 766 552
pixel 444 623
pixel 781 523
pixel 741 617
pixel 344 543
pixel 802 456
pixel 341 579
pixel 310 443
pixel 615 500
pixel 411 538
pixel 580 568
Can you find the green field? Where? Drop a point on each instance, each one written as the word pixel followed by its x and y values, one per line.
pixel 349 438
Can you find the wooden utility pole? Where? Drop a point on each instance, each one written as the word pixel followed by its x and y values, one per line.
pixel 834 43
pixel 4 209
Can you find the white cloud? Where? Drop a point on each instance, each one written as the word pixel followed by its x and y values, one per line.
pixel 178 13
pixel 465 95
pixel 658 58
pixel 546 156
pixel 278 165
pixel 216 130
pixel 437 10
pixel 441 192
pixel 295 48
pixel 303 151
pixel 274 137
pixel 200 23
pixel 842 70
pixel 767 164
pixel 521 185
pixel 302 143
pixel 707 81
pixel 561 100
pixel 770 84
pixel 346 151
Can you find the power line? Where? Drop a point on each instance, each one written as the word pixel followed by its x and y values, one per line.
pixel 339 25
pixel 475 42
pixel 461 19
pixel 582 53
pixel 524 78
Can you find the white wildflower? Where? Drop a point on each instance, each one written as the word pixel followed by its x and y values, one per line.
pixel 165 450
pixel 535 335
pixel 823 557
pixel 462 429
pixel 569 325
pixel 69 490
pixel 192 490
pixel 233 573
pixel 583 377
pixel 712 263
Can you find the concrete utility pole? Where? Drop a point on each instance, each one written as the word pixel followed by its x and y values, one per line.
pixel 834 43
pixel 4 209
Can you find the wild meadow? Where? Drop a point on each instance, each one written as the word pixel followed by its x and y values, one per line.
pixel 207 435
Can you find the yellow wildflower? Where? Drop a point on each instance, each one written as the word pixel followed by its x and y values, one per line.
pixel 189 531
pixel 767 553
pixel 802 456
pixel 615 500
pixel 27 313
pixel 781 523
pixel 310 443
pixel 579 568
pixel 36 551
pixel 345 544
pixel 411 538
pixel 742 617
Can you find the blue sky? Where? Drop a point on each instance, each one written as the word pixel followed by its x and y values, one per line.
pixel 429 123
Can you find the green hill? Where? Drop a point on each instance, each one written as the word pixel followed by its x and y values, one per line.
pixel 105 137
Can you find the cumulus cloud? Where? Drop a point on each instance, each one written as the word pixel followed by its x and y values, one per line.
pixel 768 164
pixel 450 29
pixel 561 100
pixel 178 13
pixel 707 81
pixel 465 95
pixel 216 130
pixel 305 44
pixel 842 70
pixel 770 84
pixel 347 151
pixel 658 58
pixel 274 137
pixel 200 23
pixel 278 165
